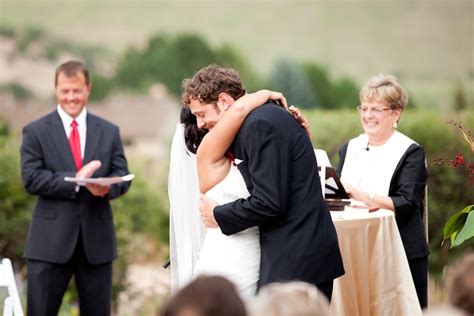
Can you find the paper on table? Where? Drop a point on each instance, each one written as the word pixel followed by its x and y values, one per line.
pixel 101 181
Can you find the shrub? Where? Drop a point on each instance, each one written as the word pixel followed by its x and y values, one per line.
pixel 291 79
pixel 171 59
pixel 15 204
pixel 19 91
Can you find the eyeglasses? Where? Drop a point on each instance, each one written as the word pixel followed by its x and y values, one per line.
pixel 375 111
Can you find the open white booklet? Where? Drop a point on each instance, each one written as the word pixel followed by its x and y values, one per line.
pixel 101 181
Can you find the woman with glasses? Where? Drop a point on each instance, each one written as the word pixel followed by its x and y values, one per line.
pixel 383 168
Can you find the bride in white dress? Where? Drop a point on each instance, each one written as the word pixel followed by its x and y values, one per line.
pixel 235 257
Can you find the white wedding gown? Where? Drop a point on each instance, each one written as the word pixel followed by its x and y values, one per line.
pixel 236 257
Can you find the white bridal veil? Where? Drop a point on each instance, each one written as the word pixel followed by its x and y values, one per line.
pixel 186 229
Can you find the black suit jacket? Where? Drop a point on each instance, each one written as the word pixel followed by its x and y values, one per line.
pixel 60 211
pixel 407 191
pixel 297 236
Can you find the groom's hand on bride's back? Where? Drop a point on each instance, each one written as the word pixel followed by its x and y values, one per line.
pixel 206 207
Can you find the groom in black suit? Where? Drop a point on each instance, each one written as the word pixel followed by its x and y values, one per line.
pixel 72 230
pixel 276 159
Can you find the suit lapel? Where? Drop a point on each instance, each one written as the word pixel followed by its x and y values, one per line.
pixel 56 131
pixel 93 134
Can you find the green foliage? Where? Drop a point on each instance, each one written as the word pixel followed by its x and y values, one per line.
pixel 19 91
pixel 291 79
pixel 101 86
pixel 321 84
pixel 7 31
pixel 15 204
pixel 143 210
pixel 346 93
pixel 460 99
pixel 53 48
pixel 171 59
pixel 228 56
pixel 50 47
pixel 460 226
pixel 27 36
pixel 4 130
pixel 331 94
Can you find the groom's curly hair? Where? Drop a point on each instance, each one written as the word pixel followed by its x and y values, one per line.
pixel 206 85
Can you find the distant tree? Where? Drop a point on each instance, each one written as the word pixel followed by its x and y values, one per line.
pixel 321 84
pixel 346 93
pixel 331 94
pixel 129 70
pixel 185 54
pixel 171 59
pixel 228 56
pixel 7 31
pixel 4 130
pixel 460 99
pixel 19 91
pixel 290 78
pixel 101 87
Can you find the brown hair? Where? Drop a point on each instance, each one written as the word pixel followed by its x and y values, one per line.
pixel 206 296
pixel 291 298
pixel 209 82
pixel 385 89
pixel 70 69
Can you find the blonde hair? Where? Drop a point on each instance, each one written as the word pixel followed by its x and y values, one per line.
pixel 292 298
pixel 385 89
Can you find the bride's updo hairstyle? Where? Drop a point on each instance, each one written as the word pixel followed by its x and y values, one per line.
pixel 192 134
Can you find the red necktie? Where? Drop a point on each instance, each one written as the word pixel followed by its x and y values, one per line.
pixel 75 144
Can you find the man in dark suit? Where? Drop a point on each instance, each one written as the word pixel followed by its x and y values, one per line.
pixel 276 159
pixel 72 230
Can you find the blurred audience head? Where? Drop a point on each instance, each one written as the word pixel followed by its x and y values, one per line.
pixel 460 283
pixel 384 89
pixel 443 310
pixel 206 296
pixel 292 298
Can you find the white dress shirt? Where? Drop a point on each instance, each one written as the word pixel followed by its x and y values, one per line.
pixel 81 126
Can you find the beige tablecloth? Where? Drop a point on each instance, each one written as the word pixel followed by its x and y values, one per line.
pixel 378 279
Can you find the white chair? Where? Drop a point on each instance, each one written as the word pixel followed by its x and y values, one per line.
pixel 12 304
pixel 323 162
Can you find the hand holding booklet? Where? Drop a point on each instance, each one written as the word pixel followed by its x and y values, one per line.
pixel 105 181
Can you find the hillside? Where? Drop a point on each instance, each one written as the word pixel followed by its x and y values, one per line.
pixel 428 44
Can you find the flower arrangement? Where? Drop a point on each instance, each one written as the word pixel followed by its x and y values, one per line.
pixel 460 226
